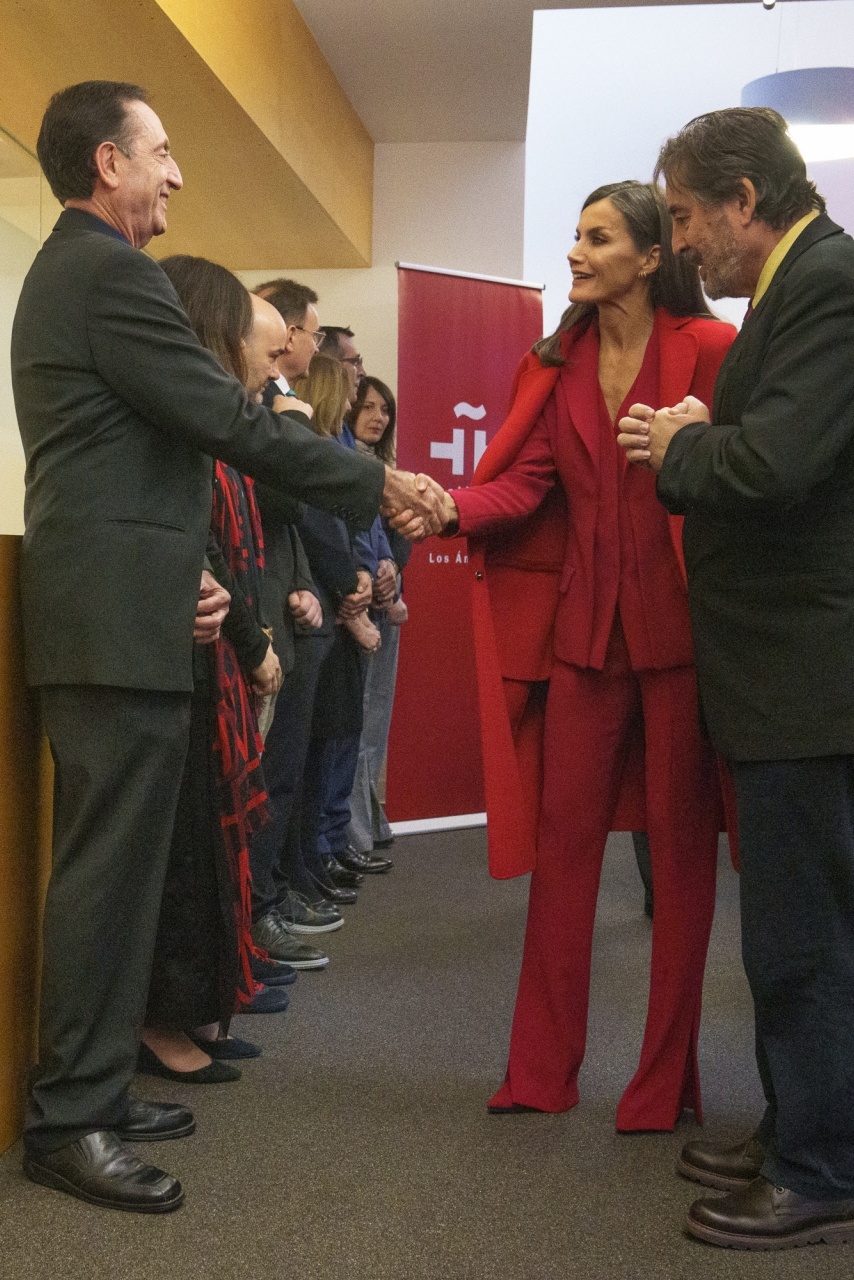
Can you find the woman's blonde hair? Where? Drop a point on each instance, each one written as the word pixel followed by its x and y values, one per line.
pixel 326 388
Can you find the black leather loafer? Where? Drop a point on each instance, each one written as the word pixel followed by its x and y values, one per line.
pixel 102 1171
pixel 726 1168
pixel 227 1048
pixel 146 1121
pixel 367 864
pixel 762 1216
pixel 342 877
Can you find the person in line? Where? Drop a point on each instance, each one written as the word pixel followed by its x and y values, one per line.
pixel 766 485
pixel 372 419
pixel 598 666
pixel 120 409
pixel 340 757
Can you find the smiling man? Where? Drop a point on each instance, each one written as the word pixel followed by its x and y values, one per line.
pixel 121 411
pixel 766 485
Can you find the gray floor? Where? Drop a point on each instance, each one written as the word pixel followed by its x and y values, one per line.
pixel 358 1147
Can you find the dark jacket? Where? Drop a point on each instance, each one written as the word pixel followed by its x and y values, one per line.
pixel 768 499
pixel 120 410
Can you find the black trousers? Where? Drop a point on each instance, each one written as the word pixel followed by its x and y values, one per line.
pixel 119 759
pixel 796 836
pixel 276 861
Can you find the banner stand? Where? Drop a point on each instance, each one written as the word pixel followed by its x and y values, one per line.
pixel 460 340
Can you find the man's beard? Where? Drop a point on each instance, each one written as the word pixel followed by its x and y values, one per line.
pixel 722 264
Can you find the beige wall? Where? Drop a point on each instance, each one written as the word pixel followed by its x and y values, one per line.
pixel 455 205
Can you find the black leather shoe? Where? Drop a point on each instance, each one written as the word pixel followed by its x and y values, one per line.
pixel 148 1064
pixel 267 1000
pixel 306 917
pixel 273 935
pixel 100 1169
pixel 762 1216
pixel 273 973
pixel 726 1168
pixel 340 876
pixel 339 897
pixel 146 1121
pixel 367 864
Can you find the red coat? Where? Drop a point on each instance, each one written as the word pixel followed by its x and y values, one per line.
pixel 531 562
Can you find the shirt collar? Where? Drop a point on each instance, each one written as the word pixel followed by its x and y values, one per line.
pixel 777 255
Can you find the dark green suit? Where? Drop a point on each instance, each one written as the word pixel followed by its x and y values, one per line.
pixel 121 410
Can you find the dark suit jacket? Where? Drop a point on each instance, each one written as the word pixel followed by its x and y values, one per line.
pixel 768 499
pixel 120 409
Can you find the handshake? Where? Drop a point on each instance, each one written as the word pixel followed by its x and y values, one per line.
pixel 415 505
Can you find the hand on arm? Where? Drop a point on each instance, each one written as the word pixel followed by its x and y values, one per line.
pixel 645 433
pixel 360 599
pixel 290 404
pixel 305 609
pixel 211 609
pixel 385 584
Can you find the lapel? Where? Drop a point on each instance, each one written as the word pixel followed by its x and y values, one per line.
pixel 580 389
pixel 678 349
pixel 818 229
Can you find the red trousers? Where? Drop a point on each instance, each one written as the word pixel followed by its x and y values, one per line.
pixel 590 717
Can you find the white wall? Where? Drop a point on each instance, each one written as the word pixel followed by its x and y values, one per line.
pixel 609 85
pixel 456 205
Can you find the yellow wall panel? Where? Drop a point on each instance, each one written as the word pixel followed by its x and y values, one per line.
pixel 277 166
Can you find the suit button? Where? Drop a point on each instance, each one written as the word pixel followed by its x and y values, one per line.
pixel 479 576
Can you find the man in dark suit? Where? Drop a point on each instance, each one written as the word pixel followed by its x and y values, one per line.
pixel 767 491
pixel 121 410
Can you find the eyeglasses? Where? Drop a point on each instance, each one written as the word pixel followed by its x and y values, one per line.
pixel 355 361
pixel 317 336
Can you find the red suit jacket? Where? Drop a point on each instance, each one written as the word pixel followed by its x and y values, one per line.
pixel 533 589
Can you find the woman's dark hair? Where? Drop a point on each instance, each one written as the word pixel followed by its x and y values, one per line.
pixel 675 285
pixel 326 388
pixel 386 446
pixel 712 153
pixel 217 305
pixel 77 120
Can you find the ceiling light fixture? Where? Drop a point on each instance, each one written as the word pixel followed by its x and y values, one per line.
pixel 818 105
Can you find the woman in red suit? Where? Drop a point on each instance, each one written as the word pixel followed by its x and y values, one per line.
pixel 585 659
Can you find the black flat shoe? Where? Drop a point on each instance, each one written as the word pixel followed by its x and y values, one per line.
pixel 101 1170
pixel 227 1048
pixel 149 1064
pixel 273 973
pixel 267 1000
pixel 145 1121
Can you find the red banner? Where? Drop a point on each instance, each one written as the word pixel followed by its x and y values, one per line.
pixel 460 341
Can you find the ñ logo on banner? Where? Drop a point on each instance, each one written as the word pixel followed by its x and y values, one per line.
pixel 455 452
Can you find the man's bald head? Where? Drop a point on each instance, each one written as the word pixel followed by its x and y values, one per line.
pixel 266 342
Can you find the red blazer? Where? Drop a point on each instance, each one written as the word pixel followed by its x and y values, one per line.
pixel 533 560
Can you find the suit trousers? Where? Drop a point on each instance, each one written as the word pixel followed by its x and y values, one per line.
pixel 119 759
pixel 590 719
pixel 276 862
pixel 796 835
pixel 368 822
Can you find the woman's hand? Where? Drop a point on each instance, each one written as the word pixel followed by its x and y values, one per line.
pixel 385 584
pixel 290 404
